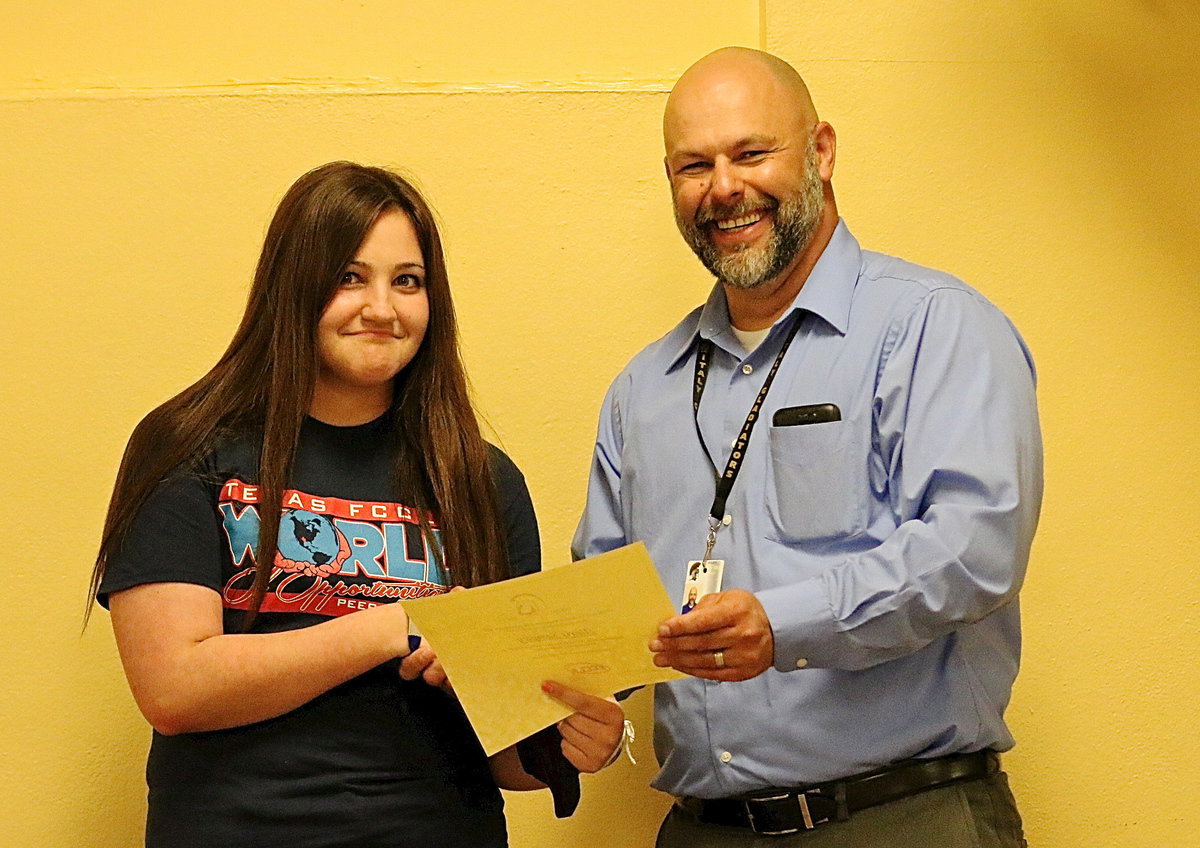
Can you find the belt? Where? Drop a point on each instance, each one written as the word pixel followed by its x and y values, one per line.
pixel 778 812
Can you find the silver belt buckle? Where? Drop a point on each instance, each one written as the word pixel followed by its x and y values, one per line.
pixel 805 814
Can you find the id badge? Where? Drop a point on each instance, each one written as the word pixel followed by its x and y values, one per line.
pixel 703 578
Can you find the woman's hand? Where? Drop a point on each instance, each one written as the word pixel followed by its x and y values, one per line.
pixel 592 733
pixel 423 663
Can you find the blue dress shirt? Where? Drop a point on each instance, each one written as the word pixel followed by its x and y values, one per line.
pixel 886 548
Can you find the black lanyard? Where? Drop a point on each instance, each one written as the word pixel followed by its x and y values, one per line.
pixel 734 465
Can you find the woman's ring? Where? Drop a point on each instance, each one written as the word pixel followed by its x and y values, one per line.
pixel 719 657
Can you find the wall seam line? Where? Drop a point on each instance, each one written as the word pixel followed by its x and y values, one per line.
pixel 293 88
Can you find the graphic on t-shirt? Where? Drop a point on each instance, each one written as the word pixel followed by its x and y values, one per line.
pixel 335 555
pixel 310 543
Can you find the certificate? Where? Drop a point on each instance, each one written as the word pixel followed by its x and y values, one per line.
pixel 585 625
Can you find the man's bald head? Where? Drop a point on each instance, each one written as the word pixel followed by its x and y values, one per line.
pixel 750 168
pixel 734 72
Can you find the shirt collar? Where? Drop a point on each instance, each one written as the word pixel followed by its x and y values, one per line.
pixel 826 293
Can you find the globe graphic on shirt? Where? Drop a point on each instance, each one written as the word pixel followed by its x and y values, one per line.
pixel 309 543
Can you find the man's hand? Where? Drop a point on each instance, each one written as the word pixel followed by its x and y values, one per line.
pixel 725 637
pixel 591 734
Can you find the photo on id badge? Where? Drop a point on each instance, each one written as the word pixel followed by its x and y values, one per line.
pixel 703 578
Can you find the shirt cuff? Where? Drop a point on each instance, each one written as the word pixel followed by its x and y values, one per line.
pixel 802 625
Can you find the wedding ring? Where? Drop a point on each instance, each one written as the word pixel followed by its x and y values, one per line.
pixel 719 657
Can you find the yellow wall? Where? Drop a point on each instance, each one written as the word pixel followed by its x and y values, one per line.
pixel 1046 153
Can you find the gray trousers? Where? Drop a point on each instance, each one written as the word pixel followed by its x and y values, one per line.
pixel 976 814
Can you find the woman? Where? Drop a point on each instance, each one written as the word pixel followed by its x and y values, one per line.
pixel 278 714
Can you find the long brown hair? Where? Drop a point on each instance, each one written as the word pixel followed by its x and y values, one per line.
pixel 263 383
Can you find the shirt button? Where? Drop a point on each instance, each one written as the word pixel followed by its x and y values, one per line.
pixel 728 518
pixel 726 756
pixel 747 369
pixel 802 663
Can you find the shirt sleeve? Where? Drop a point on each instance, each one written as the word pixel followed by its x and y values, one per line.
pixel 601 529
pixel 517 514
pixel 955 425
pixel 175 538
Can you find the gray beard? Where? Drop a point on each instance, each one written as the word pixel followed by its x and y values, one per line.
pixel 747 267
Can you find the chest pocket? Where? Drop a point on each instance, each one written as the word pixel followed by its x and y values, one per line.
pixel 818 488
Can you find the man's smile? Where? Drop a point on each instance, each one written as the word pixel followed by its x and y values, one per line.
pixel 730 224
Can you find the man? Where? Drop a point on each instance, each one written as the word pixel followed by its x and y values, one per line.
pixel 852 441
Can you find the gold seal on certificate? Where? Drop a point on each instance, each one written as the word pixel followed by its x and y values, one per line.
pixel 703 578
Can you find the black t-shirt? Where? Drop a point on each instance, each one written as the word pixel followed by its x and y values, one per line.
pixel 376 761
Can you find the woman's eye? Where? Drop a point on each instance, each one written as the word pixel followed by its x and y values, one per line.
pixel 408 281
pixel 348 278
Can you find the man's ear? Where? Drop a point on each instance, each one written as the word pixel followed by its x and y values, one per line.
pixel 825 144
